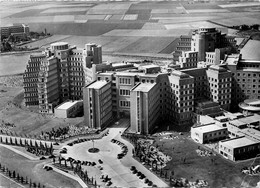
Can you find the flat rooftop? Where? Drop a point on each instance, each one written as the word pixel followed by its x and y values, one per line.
pixel 67 105
pixel 204 119
pixel 251 119
pixel 144 87
pixel 238 142
pixel 97 84
pixel 237 123
pixel 209 128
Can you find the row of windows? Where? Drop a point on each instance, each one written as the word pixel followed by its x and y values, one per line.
pixel 124 103
pixel 126 81
pixel 248 74
pixel 124 92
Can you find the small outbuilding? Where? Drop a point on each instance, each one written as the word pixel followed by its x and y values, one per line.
pixel 68 109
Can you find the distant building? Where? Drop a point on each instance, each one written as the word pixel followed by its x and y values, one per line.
pixel 188 60
pixel 17 30
pixel 184 44
pixel 208 39
pixel 68 109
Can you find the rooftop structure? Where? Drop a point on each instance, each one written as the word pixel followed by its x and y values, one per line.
pixel 251 50
pixel 66 105
pixel 97 84
pixel 239 142
pixel 209 128
pixel 250 106
pixel 144 87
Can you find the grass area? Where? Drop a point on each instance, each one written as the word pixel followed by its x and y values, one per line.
pixel 7 182
pixel 34 170
pixel 193 6
pixel 26 121
pixel 170 48
pixel 221 173
pixel 148 45
pixel 27 13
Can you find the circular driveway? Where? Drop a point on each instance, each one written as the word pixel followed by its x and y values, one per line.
pixel 116 169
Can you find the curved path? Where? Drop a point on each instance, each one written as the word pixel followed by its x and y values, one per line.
pixel 116 169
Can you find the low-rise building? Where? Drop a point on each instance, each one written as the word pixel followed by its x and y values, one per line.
pixel 68 109
pixel 250 106
pixel 239 148
pixel 208 133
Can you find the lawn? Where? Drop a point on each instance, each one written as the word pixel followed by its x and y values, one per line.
pixel 34 170
pixel 221 173
pixel 7 182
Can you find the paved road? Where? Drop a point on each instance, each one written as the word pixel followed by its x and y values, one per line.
pixel 118 170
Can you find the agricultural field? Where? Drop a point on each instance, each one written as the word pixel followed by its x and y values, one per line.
pixel 144 44
pixel 114 25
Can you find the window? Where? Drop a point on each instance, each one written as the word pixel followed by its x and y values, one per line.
pixel 125 103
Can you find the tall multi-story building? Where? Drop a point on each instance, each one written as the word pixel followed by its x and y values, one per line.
pixel 98 104
pixel 54 76
pixel 219 86
pixel 183 45
pixel 188 60
pixel 92 61
pixel 208 39
pixel 48 85
pixel 145 107
pixel 245 69
pixel 30 79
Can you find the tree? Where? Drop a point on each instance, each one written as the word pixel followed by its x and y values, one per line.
pixel 30 183
pixel 11 141
pixel 26 179
pixel 31 144
pixel 15 141
pixel 6 140
pixel 36 145
pixel 21 142
pixel 39 185
pixel 1 139
pixel 14 175
pixel 22 179
pixel 18 176
pixel 9 174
